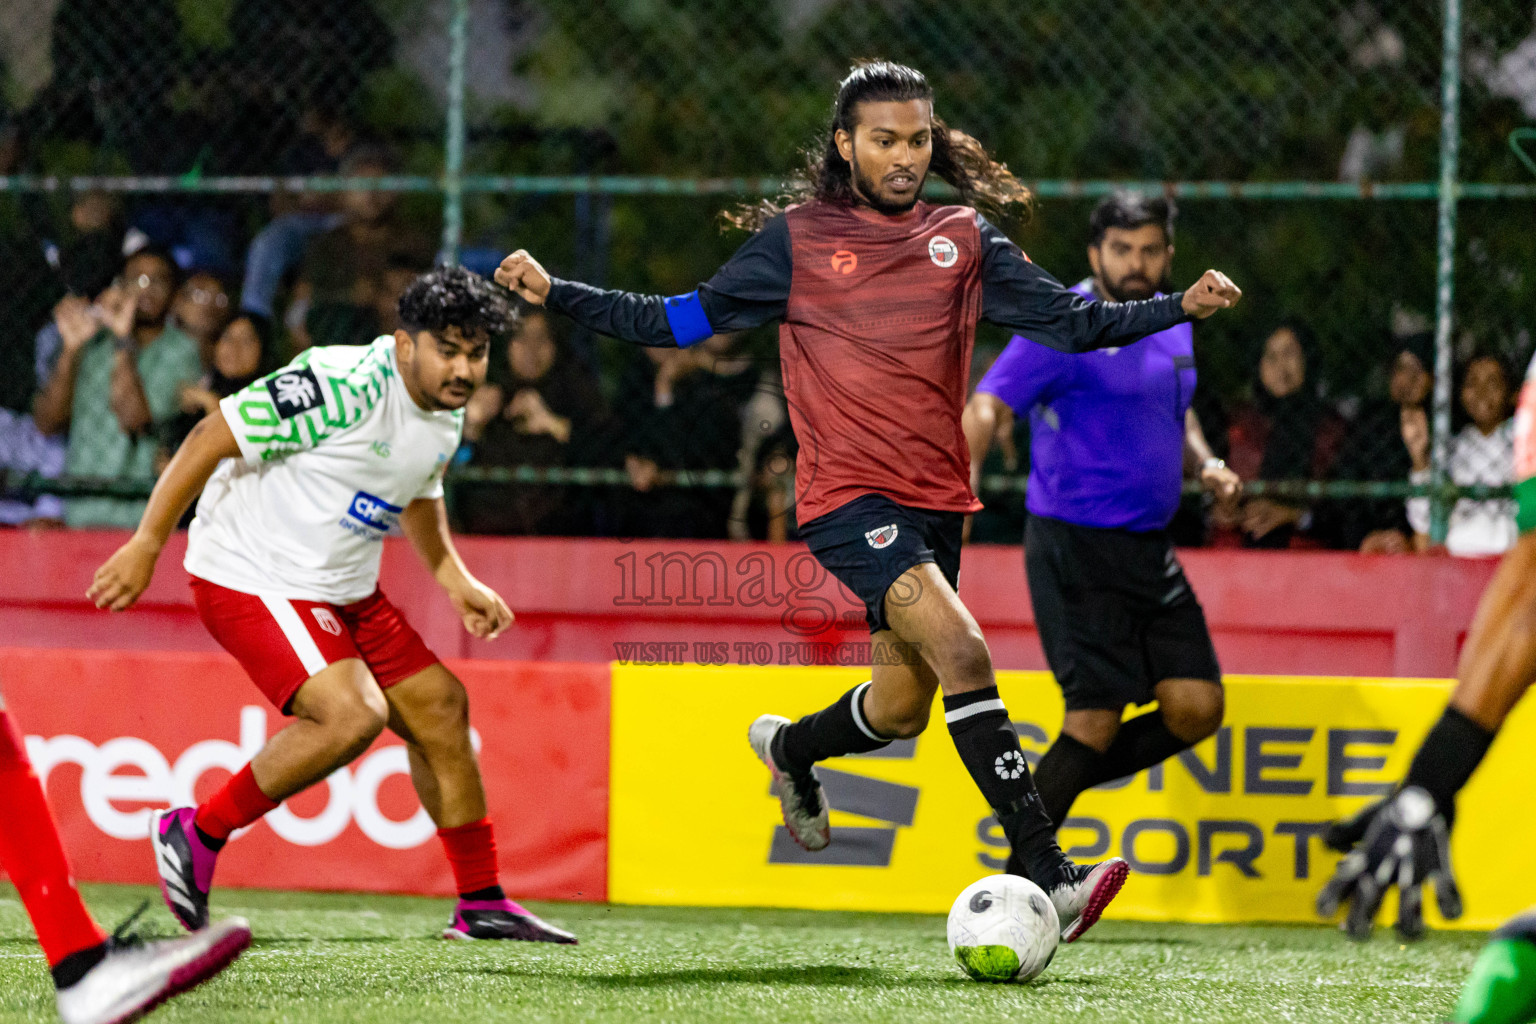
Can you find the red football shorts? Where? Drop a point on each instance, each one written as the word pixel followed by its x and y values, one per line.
pixel 281 643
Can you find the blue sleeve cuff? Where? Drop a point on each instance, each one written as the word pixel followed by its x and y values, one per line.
pixel 685 315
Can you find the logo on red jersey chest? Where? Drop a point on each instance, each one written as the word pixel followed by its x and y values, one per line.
pixel 845 262
pixel 943 252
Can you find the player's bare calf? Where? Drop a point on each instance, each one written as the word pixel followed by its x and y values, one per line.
pixel 303 474
pixel 1404 840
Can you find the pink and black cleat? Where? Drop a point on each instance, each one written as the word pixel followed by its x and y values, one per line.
pixel 185 865
pixel 501 919
pixel 1080 899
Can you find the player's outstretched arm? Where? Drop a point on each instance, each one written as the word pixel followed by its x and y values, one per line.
pixel 751 289
pixel 425 524
pixel 1018 294
pixel 123 577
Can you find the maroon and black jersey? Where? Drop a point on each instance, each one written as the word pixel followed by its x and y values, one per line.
pixel 878 315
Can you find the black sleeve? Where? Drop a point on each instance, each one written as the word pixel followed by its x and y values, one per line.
pixel 631 316
pixel 1017 294
pixel 752 288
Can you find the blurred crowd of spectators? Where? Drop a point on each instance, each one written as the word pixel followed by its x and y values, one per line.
pixel 1285 428
pixel 711 407
pixel 126 320
pixel 135 345
pixel 1288 431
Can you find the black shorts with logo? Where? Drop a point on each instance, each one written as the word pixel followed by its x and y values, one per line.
pixel 1115 613
pixel 869 542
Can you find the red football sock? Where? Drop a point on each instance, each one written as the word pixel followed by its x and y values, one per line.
pixel 31 853
pixel 239 803
pixel 471 851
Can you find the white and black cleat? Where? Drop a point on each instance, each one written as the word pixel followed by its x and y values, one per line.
pixel 1081 898
pixel 134 976
pixel 800 795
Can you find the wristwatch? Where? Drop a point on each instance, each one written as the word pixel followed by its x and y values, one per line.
pixel 1212 463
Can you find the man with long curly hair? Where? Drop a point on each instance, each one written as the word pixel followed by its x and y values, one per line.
pixel 878 294
pixel 302 474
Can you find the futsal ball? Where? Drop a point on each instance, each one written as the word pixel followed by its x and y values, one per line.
pixel 1003 928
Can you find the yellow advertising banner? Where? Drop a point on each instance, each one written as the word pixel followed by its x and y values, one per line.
pixel 1223 833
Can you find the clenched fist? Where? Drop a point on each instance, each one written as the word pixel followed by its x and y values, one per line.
pixel 1213 291
pixel 522 274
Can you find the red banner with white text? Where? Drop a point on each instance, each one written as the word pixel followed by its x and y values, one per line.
pixel 116 734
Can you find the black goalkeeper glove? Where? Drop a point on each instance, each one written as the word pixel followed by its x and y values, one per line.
pixel 1402 841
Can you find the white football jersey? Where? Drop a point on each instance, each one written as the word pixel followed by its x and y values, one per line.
pixel 334 450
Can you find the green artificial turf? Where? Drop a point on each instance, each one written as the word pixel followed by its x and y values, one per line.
pixel 325 957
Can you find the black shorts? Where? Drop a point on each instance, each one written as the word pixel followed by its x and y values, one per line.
pixel 869 542
pixel 1115 613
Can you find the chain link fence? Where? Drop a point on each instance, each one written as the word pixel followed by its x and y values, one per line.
pixel 1302 142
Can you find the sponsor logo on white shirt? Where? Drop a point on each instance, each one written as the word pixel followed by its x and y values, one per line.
pixel 295 392
pixel 374 512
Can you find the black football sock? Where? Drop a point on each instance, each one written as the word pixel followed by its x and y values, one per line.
pixel 1141 743
pixel 984 737
pixel 75 966
pixel 490 894
pixel 1068 768
pixel 1448 757
pixel 207 840
pixel 834 731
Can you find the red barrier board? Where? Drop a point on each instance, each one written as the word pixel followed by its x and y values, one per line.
pixel 1274 612
pixel 118 733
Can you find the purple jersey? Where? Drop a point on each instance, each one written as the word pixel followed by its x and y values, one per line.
pixel 1106 427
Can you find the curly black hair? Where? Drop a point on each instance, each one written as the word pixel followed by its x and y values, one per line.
pixel 455 297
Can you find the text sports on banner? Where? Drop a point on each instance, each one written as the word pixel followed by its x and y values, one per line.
pixel 1226 832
